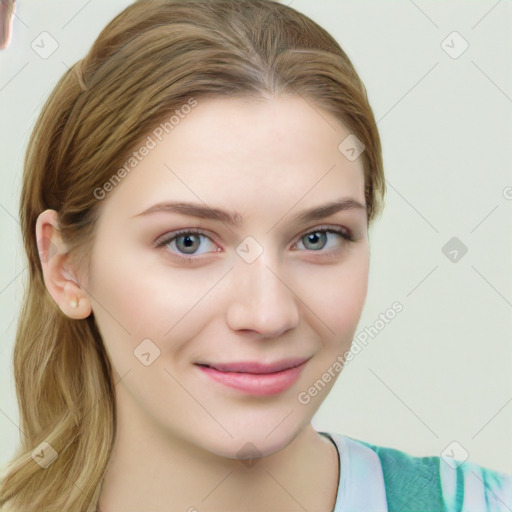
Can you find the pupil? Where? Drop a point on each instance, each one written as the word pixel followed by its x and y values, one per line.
pixel 314 238
pixel 188 241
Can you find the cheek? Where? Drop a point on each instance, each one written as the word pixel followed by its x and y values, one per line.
pixel 136 297
pixel 339 296
pixel 124 300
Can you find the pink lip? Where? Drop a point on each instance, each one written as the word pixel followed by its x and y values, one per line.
pixel 257 378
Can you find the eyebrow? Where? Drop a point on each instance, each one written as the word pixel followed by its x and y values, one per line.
pixel 235 218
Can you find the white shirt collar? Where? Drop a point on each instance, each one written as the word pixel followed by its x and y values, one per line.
pixel 361 484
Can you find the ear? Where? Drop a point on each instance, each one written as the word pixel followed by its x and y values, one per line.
pixel 59 278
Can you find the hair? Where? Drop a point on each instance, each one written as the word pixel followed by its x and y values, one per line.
pixel 148 61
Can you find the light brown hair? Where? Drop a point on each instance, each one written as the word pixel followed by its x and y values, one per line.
pixel 151 59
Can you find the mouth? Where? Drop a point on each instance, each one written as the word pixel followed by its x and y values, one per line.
pixel 256 378
pixel 255 367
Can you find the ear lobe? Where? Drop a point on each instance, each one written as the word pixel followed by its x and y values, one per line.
pixel 59 278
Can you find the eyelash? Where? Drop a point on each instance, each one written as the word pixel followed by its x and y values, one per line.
pixel 343 232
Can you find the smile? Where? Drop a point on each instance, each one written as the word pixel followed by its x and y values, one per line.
pixel 255 378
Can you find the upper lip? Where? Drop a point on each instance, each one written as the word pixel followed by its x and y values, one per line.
pixel 255 366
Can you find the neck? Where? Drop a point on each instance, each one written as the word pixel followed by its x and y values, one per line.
pixel 150 471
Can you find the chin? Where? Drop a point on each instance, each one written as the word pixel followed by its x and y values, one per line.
pixel 254 441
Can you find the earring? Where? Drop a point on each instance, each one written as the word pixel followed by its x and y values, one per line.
pixel 74 303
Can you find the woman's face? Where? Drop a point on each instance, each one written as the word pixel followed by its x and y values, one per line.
pixel 262 291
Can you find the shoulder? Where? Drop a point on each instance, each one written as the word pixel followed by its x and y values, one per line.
pixel 439 483
pixel 433 483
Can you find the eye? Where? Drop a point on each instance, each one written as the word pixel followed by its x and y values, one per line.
pixel 318 239
pixel 184 244
pixel 186 241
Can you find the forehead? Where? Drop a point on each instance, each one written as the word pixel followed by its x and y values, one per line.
pixel 247 154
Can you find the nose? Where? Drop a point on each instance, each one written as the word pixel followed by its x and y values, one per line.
pixel 262 300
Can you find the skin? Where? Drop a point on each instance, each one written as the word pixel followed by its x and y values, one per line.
pixel 179 432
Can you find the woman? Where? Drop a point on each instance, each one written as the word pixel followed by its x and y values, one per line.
pixel 195 210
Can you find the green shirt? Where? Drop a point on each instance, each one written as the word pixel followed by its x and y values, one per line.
pixel 378 479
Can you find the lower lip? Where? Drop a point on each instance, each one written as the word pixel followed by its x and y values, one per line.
pixel 257 383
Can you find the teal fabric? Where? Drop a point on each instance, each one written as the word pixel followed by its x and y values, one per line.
pixel 412 483
pixel 430 484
